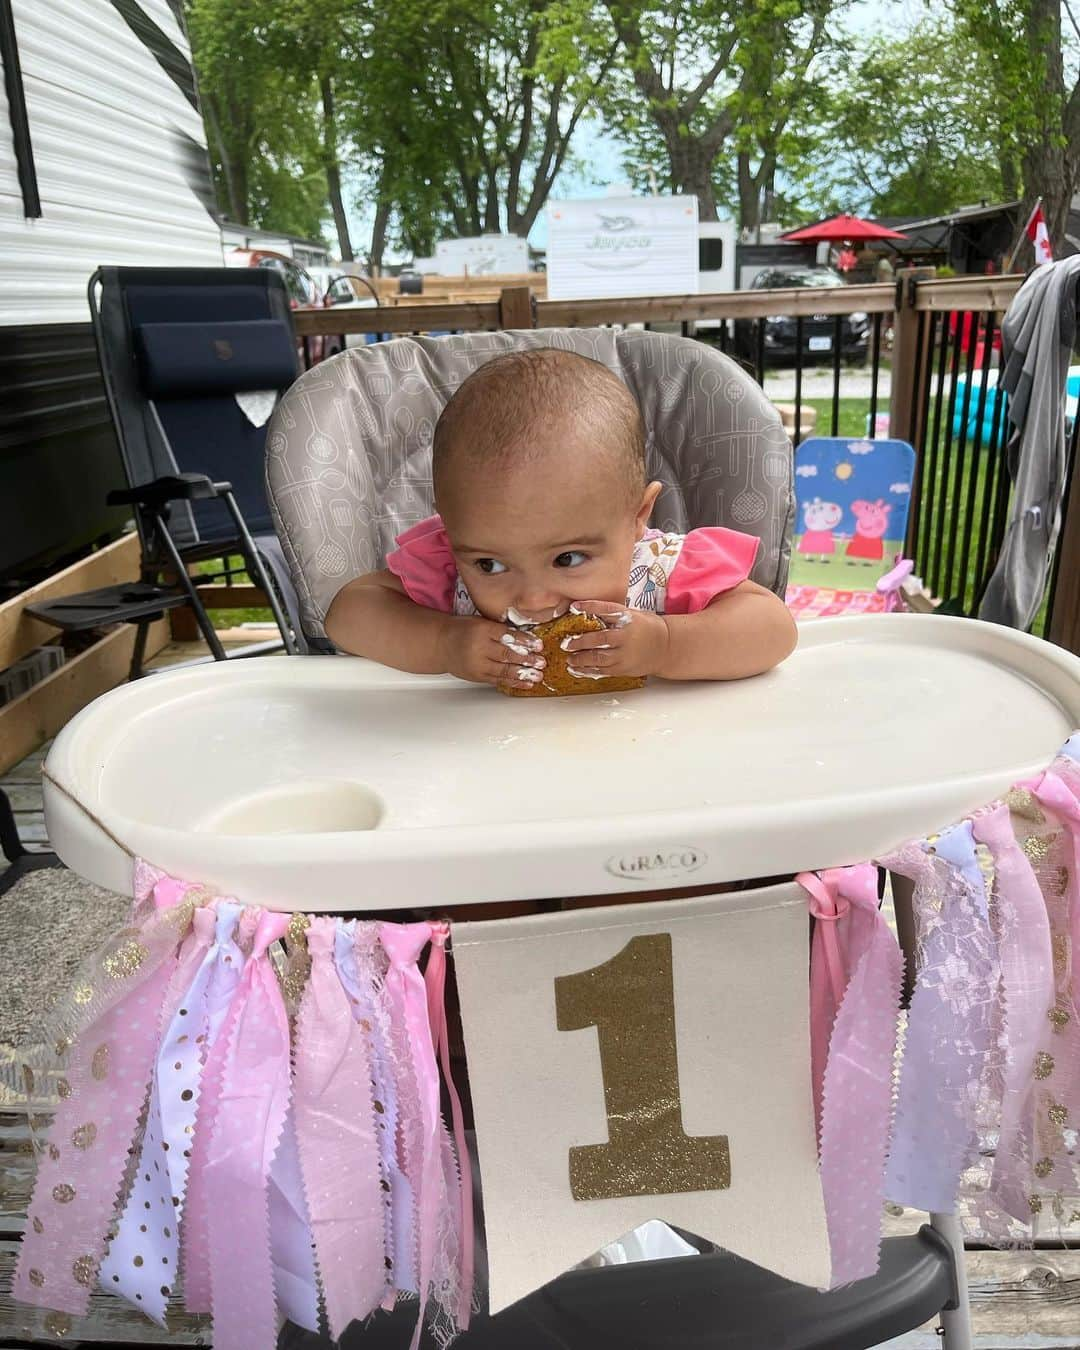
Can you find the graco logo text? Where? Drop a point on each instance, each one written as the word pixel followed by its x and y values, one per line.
pixel 656 864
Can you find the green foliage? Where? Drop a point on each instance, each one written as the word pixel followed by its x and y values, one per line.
pixel 705 91
pixel 904 126
pixel 260 111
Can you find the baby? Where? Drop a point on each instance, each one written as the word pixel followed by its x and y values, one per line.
pixel 544 506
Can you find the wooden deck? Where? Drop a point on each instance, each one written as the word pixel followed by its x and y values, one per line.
pixel 1020 1300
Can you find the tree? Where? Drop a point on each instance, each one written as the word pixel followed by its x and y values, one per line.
pixel 705 79
pixel 469 111
pixel 879 140
pixel 261 117
pixel 1024 42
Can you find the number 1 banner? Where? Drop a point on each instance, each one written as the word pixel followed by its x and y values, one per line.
pixel 643 1061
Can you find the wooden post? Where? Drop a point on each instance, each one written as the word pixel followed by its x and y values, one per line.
pixel 516 309
pixel 909 359
pixel 1065 621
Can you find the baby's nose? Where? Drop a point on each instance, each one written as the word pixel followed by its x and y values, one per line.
pixel 539 606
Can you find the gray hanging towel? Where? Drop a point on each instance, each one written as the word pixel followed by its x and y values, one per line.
pixel 1037 337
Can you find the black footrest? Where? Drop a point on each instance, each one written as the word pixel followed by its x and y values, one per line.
pixel 109 604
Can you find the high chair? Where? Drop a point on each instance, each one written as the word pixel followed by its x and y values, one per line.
pixel 349 454
pixel 344 788
pixel 354 789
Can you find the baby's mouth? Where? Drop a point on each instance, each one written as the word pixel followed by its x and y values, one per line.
pixel 516 619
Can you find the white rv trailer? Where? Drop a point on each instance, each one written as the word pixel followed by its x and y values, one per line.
pixel 102 160
pixel 483 255
pixel 606 247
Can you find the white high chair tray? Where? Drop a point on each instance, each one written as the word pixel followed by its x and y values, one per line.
pixel 335 784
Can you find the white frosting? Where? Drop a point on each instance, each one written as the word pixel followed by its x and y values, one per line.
pixel 586 674
pixel 518 648
pixel 596 646
pixel 518 620
pixel 618 620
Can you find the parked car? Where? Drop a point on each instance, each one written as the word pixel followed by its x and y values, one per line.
pixel 344 291
pixel 303 291
pixel 818 330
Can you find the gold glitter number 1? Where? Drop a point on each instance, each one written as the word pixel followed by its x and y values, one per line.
pixel 631 1002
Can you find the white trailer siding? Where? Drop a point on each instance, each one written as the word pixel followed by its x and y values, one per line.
pixel 123 175
pixel 119 152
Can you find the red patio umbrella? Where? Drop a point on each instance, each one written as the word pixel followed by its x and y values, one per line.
pixel 842 229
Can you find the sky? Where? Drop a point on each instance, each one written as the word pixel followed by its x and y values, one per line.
pixel 595 147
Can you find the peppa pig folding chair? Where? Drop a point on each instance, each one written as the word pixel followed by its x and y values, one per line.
pixel 851 519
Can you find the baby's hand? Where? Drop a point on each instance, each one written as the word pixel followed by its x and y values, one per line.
pixel 487 653
pixel 634 642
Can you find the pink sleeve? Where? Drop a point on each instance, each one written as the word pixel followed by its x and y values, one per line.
pixel 712 561
pixel 425 565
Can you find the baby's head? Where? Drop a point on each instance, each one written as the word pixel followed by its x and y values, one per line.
pixel 539 467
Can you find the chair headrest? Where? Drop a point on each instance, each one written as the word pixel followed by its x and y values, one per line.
pixel 349 448
pixel 179 360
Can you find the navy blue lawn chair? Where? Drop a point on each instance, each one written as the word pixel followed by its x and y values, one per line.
pixel 176 347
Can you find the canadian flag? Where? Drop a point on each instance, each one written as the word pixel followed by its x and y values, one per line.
pixel 1039 236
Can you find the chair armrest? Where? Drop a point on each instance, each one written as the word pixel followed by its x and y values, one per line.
pixel 173 487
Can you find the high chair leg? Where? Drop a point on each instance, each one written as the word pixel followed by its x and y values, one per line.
pixel 955 1322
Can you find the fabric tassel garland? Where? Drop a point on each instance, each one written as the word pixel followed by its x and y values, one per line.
pixel 176 1041
pixel 273 1145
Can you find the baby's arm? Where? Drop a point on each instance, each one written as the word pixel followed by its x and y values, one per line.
pixel 745 631
pixel 372 616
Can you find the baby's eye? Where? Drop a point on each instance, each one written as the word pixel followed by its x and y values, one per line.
pixel 571 559
pixel 491 566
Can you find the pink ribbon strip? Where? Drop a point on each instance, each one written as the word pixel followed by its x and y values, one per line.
pixel 435 981
pixel 100 1100
pixel 250 1117
pixel 828 977
pixel 403 944
pixel 339 1149
pixel 859 951
pixel 1028 990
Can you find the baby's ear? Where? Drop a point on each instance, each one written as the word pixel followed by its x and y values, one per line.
pixel 648 501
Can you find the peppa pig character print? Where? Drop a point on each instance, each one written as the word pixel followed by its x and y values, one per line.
pixel 871 522
pixel 821 518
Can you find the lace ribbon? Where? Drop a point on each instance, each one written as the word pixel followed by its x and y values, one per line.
pixel 435 980
pixel 357 952
pixel 1027 992
pixel 951 1021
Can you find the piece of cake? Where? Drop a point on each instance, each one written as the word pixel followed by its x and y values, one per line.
pixel 557 679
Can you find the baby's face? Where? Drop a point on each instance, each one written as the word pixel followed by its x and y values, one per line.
pixel 534 537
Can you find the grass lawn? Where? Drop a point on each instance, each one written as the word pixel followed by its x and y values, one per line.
pixel 853 413
pixel 232 618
